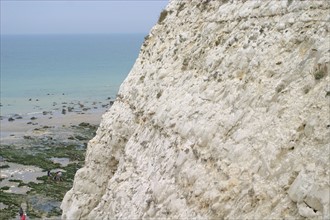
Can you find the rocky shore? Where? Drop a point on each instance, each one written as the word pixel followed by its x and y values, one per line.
pixel 32 145
pixel 58 114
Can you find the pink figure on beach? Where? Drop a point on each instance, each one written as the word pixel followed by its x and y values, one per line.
pixel 23 217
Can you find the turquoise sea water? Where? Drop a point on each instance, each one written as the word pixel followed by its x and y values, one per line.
pixel 63 68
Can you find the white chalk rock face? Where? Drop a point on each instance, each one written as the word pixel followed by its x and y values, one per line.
pixel 225 114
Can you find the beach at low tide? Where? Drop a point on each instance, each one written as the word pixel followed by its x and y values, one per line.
pixel 31 144
pixel 15 125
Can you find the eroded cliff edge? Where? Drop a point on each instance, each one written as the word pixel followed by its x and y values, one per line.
pixel 225 114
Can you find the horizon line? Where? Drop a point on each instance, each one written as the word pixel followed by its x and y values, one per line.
pixel 72 33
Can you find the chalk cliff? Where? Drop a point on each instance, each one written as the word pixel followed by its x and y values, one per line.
pixel 225 114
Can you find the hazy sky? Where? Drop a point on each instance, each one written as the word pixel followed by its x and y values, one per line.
pixel 72 17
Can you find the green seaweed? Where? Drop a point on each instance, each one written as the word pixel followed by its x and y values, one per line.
pixel 5 188
pixel 4 166
pixel 13 201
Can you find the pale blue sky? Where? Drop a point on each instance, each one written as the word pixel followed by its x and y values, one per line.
pixel 76 17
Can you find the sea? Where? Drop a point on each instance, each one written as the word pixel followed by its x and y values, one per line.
pixel 39 71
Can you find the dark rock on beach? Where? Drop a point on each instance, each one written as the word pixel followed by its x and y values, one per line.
pixel 33 118
pixel 81 138
pixel 11 119
pixel 84 124
pixel 71 138
pixel 78 137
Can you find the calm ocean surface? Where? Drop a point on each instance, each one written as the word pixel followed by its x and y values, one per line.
pixel 63 68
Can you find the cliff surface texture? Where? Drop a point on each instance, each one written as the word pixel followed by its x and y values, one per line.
pixel 225 115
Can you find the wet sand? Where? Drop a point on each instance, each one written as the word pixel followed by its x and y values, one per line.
pixel 62 114
pixel 10 130
pixel 18 171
